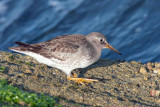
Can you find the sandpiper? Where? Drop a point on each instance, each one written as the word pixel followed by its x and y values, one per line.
pixel 67 52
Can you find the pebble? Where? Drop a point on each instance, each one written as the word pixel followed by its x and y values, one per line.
pixel 143 70
pixel 154 93
pixel 34 77
pixel 156 64
pixel 149 66
pixel 133 62
pixel 21 74
pixel 156 71
pixel 27 71
pixel 145 77
pixel 139 62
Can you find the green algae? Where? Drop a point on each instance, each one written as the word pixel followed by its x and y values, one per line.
pixel 2 69
pixel 13 95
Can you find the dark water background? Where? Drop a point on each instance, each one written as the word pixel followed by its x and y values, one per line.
pixel 131 26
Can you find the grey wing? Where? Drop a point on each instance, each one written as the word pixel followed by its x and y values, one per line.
pixel 61 47
pixel 58 50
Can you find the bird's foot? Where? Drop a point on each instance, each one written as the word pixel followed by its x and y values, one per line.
pixel 83 81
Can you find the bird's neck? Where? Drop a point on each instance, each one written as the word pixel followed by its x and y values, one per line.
pixel 96 51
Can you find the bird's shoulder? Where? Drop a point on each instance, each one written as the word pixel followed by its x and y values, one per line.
pixel 73 41
pixel 74 38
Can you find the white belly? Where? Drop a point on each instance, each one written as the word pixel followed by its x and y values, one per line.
pixel 66 66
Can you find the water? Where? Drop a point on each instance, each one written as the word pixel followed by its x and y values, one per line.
pixel 132 27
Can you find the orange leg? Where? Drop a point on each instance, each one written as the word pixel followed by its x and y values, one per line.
pixel 82 81
pixel 73 75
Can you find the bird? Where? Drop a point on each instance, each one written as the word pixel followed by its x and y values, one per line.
pixel 67 52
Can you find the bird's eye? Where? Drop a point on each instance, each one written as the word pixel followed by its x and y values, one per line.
pixel 101 41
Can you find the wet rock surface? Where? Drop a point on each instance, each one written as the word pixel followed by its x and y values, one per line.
pixel 120 83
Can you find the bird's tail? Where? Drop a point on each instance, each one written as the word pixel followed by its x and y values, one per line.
pixel 22 44
pixel 21 47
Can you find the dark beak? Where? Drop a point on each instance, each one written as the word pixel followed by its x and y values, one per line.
pixel 113 49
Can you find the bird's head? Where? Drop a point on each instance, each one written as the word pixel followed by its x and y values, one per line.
pixel 100 41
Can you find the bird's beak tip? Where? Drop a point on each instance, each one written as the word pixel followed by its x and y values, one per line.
pixel 110 47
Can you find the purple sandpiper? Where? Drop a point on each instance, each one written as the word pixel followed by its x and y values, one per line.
pixel 68 52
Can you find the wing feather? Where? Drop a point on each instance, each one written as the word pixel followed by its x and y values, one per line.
pixel 60 48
